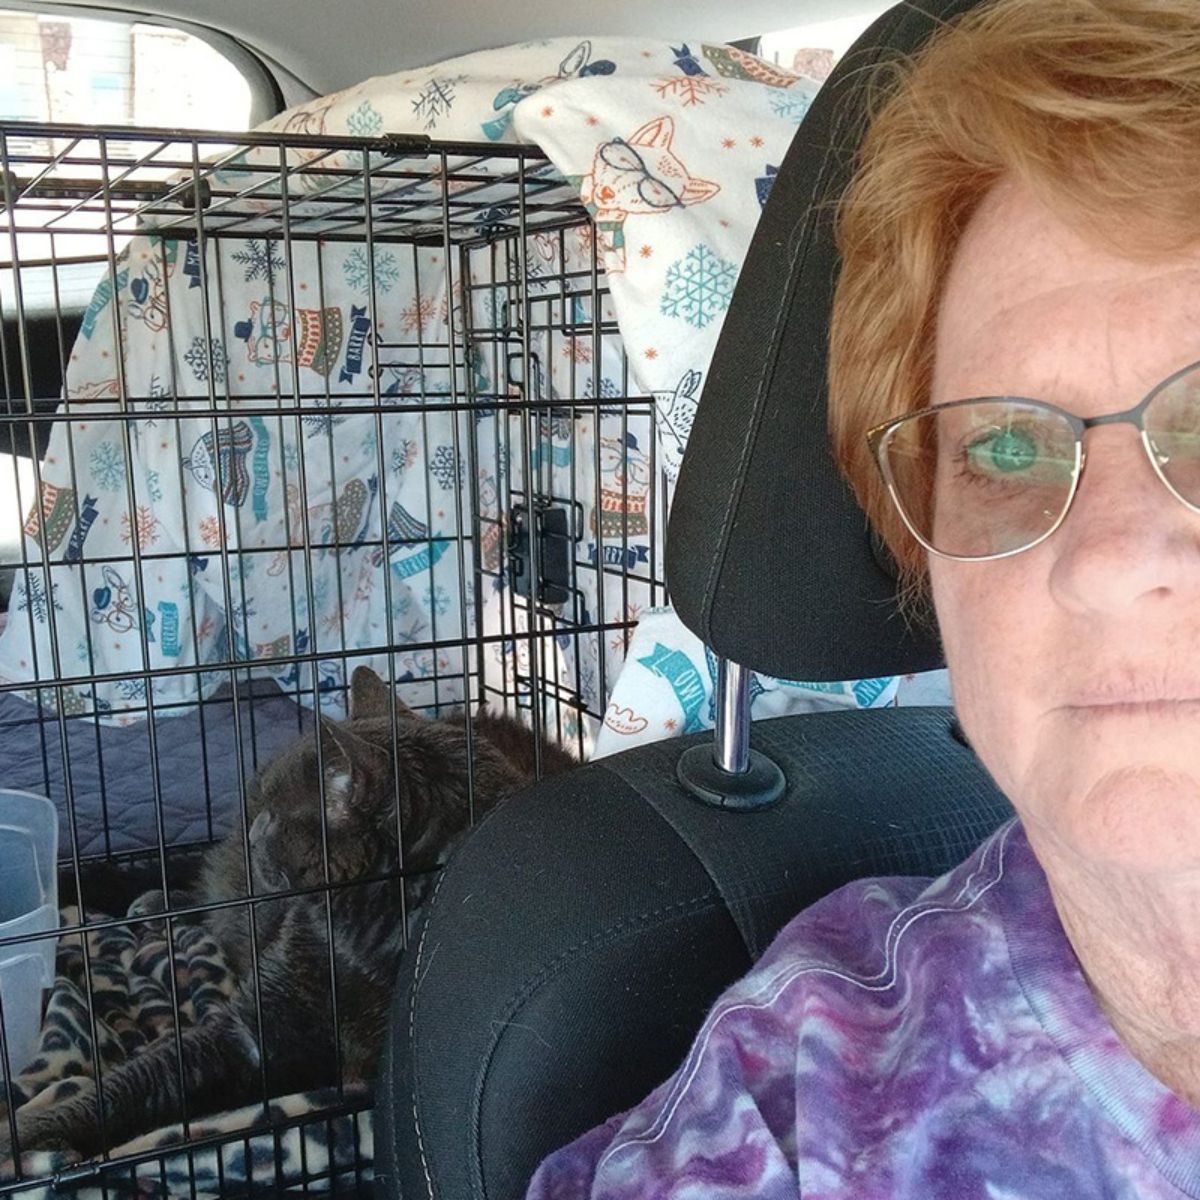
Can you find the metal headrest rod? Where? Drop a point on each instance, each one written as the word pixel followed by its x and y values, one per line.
pixel 730 774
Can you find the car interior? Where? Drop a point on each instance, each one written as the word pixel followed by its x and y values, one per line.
pixel 325 421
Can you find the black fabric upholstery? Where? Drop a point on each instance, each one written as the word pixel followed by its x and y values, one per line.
pixel 768 556
pixel 577 939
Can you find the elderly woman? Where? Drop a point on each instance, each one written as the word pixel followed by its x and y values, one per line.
pixel 1015 397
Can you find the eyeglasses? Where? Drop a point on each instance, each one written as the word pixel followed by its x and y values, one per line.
pixel 992 476
pixel 621 156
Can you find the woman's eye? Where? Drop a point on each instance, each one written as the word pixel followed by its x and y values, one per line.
pixel 1003 452
pixel 1016 455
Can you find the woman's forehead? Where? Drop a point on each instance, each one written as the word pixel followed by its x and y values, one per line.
pixel 1030 304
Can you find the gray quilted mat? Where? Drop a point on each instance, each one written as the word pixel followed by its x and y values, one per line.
pixel 115 793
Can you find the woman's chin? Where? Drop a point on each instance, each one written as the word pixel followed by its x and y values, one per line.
pixel 1139 816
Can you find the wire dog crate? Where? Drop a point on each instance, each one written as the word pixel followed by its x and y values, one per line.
pixel 277 406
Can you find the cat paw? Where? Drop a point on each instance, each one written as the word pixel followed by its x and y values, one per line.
pixel 144 909
pixel 147 904
pixel 35 1135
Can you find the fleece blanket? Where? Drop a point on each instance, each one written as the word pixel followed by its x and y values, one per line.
pixel 131 996
pixel 278 541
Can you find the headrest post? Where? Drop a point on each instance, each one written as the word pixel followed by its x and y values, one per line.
pixel 733 717
pixel 728 774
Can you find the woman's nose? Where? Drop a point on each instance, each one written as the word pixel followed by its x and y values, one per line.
pixel 1126 541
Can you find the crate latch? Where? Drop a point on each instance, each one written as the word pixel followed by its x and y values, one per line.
pixel 551 525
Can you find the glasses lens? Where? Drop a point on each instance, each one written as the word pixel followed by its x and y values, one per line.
pixel 981 478
pixel 620 156
pixel 1172 424
pixel 657 194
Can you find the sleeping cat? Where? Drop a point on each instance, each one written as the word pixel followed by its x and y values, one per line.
pixel 376 784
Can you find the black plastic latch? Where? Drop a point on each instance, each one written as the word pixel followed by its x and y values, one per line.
pixel 551 525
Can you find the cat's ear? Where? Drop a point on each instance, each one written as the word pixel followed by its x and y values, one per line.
pixel 260 825
pixel 351 765
pixel 696 191
pixel 654 135
pixel 369 697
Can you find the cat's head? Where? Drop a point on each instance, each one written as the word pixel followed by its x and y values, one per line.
pixel 641 174
pixel 352 780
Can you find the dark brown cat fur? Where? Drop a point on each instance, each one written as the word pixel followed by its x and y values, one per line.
pixel 375 785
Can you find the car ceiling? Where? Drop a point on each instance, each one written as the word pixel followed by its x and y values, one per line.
pixel 329 45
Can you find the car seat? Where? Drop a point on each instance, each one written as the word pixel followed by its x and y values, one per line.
pixel 574 943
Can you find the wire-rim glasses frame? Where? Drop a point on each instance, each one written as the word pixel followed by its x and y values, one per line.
pixel 879 436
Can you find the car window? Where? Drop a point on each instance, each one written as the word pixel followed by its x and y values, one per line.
pixel 109 71
pixel 106 70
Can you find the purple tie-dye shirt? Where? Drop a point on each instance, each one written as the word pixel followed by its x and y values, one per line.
pixel 903 1040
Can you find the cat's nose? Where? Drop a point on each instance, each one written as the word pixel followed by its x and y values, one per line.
pixel 607 193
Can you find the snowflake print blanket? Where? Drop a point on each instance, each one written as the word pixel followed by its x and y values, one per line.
pixel 241 537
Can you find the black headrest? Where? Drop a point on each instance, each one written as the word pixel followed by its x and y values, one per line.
pixel 769 558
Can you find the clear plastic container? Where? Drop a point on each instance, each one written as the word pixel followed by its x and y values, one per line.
pixel 28 904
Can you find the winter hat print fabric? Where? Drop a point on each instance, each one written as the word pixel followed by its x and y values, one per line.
pixel 673 149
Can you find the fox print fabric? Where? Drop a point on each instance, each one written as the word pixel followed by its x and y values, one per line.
pixel 674 168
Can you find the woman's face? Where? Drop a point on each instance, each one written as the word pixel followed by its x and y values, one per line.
pixel 1076 664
